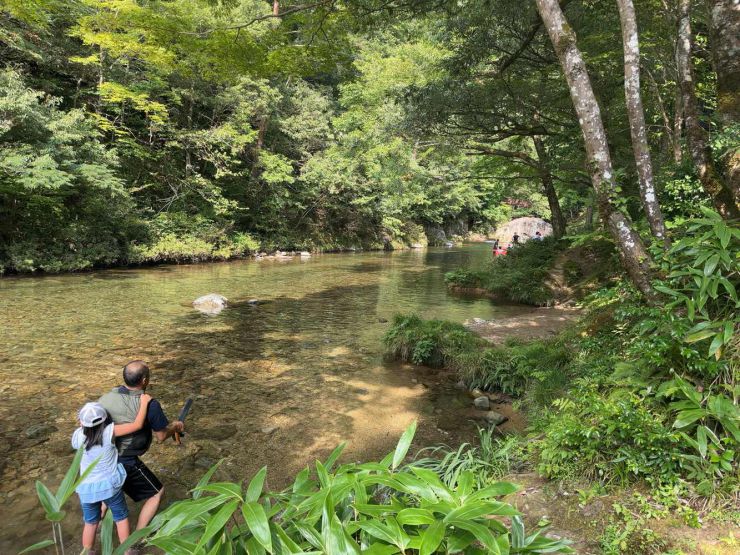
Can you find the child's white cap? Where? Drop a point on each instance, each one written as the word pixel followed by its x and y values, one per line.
pixel 92 414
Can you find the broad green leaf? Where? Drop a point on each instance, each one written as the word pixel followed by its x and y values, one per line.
pixel 198 491
pixel 256 519
pixel 48 500
pixel 228 489
pixel 432 537
pixel 254 490
pixel 132 539
pixel 699 336
pixel 67 487
pixel 498 489
pixel 711 264
pixel 373 510
pixel 217 522
pixel 106 534
pixel 334 456
pixel 415 517
pixel 701 439
pixel 35 547
pixel 686 417
pixel 481 533
pixel 403 445
pixel 378 530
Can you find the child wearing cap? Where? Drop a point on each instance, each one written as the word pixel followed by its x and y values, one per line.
pixel 103 485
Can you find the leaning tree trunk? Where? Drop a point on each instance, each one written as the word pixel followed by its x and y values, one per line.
pixel 724 40
pixel 636 115
pixel 635 256
pixel 696 137
pixel 556 214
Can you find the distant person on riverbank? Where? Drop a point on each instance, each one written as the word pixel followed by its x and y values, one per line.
pixel 515 239
pixel 105 482
pixel 537 236
pixel 122 403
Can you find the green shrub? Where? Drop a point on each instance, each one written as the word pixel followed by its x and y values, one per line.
pixel 375 508
pixel 537 367
pixel 609 438
pixel 518 277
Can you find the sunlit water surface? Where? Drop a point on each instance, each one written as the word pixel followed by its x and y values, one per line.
pixel 280 383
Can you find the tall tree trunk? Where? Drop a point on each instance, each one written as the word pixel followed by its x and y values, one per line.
pixel 696 137
pixel 276 8
pixel 635 256
pixel 724 40
pixel 558 221
pixel 636 115
pixel 677 125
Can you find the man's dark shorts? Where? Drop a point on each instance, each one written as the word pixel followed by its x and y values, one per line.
pixel 141 483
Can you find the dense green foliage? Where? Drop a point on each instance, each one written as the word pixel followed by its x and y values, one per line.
pixel 540 273
pixel 643 393
pixel 183 131
pixel 520 276
pixel 376 507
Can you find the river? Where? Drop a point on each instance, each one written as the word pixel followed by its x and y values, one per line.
pixel 276 384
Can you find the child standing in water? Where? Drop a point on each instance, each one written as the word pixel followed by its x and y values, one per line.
pixel 103 485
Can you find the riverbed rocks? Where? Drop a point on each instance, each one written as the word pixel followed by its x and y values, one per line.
pixel 211 304
pixel 494 418
pixel 216 433
pixel 482 403
pixel 40 431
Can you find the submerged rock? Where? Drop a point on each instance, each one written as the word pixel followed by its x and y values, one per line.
pixel 40 431
pixel 482 403
pixel 213 303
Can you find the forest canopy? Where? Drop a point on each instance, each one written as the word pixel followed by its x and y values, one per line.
pixel 199 129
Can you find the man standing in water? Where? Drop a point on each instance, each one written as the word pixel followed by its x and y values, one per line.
pixel 122 403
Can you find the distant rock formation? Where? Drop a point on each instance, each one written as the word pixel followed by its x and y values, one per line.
pixel 524 227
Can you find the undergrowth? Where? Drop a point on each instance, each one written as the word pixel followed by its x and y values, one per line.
pixel 637 393
pixel 519 276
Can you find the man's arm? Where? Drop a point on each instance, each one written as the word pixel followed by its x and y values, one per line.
pixel 161 427
pixel 169 431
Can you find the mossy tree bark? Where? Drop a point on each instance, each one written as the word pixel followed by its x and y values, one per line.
pixel 724 41
pixel 636 115
pixel 633 253
pixel 723 197
pixel 556 214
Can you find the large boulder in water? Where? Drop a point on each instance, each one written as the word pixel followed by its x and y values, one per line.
pixel 212 303
pixel 524 227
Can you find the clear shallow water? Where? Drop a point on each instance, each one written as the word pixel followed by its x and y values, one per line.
pixel 277 384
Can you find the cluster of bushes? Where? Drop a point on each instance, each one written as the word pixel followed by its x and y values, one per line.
pixel 379 508
pixel 643 392
pixel 528 273
pixel 518 277
pixel 537 368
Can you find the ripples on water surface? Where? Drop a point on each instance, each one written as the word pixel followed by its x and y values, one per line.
pixel 279 384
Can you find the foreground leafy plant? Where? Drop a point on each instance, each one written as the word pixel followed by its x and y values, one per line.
pixel 53 503
pixel 376 508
